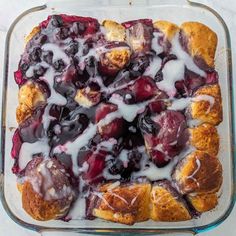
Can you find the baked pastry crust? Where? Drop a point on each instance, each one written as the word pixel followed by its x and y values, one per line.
pixel 30 96
pixel 168 28
pixel 203 202
pixel 205 138
pixel 125 204
pixel 202 41
pixel 114 60
pixel 114 31
pixel 46 193
pixel 203 109
pixel 166 205
pixel 198 172
pixel 38 208
pixel 34 31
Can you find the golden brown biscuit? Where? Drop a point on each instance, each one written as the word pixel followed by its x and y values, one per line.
pixel 207 104
pixel 169 29
pixel 38 208
pixel 46 192
pixel 114 31
pixel 34 31
pixel 30 96
pixel 202 41
pixel 114 60
pixel 166 205
pixel 124 204
pixel 86 97
pixel 198 172
pixel 203 202
pixel 205 138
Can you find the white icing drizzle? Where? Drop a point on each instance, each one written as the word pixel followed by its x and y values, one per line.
pixel 44 184
pixel 78 209
pixel 58 52
pixel 172 72
pixel 153 67
pixel 155 44
pixel 205 97
pixel 195 172
pixel 28 149
pixel 182 103
pixel 100 195
pixel 109 118
pixel 107 144
pixel 113 185
pixel 124 157
pixel 109 176
pixel 152 172
pixel 72 147
pixel 128 112
pixel 179 104
pixel 46 118
pixel 193 123
pixel 55 98
pixel 181 54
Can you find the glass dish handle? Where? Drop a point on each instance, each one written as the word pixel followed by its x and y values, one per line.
pixel 3 34
pixel 63 233
pixel 57 4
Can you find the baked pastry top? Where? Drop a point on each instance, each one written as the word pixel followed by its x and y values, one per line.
pixel 117 121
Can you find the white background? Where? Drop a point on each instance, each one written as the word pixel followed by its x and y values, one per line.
pixel 10 9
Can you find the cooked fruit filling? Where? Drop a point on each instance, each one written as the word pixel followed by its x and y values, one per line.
pixel 114 107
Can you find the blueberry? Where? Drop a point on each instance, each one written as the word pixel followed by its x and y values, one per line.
pixel 159 76
pixel 56 20
pixel 39 71
pixel 85 49
pixel 63 33
pixel 91 66
pixel 43 38
pixel 47 56
pixel 24 66
pixel 169 57
pixel 87 46
pixel 116 167
pixel 58 112
pixel 134 158
pixel 81 27
pixel 59 65
pixel 36 54
pixel 129 98
pixel 72 49
pixel 147 125
pixel 139 65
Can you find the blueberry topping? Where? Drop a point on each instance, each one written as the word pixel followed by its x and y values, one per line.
pixel 159 76
pixel 39 71
pixel 63 33
pixel 36 54
pixel 138 66
pixel 24 66
pixel 47 56
pixel 59 65
pixel 72 49
pixel 81 27
pixel 56 20
pixel 91 66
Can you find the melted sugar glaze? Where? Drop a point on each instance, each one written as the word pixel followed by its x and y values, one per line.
pixel 125 129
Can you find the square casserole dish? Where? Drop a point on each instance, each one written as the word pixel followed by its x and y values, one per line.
pixel 119 10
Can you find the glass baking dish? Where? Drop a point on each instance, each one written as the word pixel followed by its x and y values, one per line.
pixel 176 11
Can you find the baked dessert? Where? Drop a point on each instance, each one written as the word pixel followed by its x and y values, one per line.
pixel 118 121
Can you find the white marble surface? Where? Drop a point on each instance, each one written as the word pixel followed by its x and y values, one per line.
pixel 9 9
